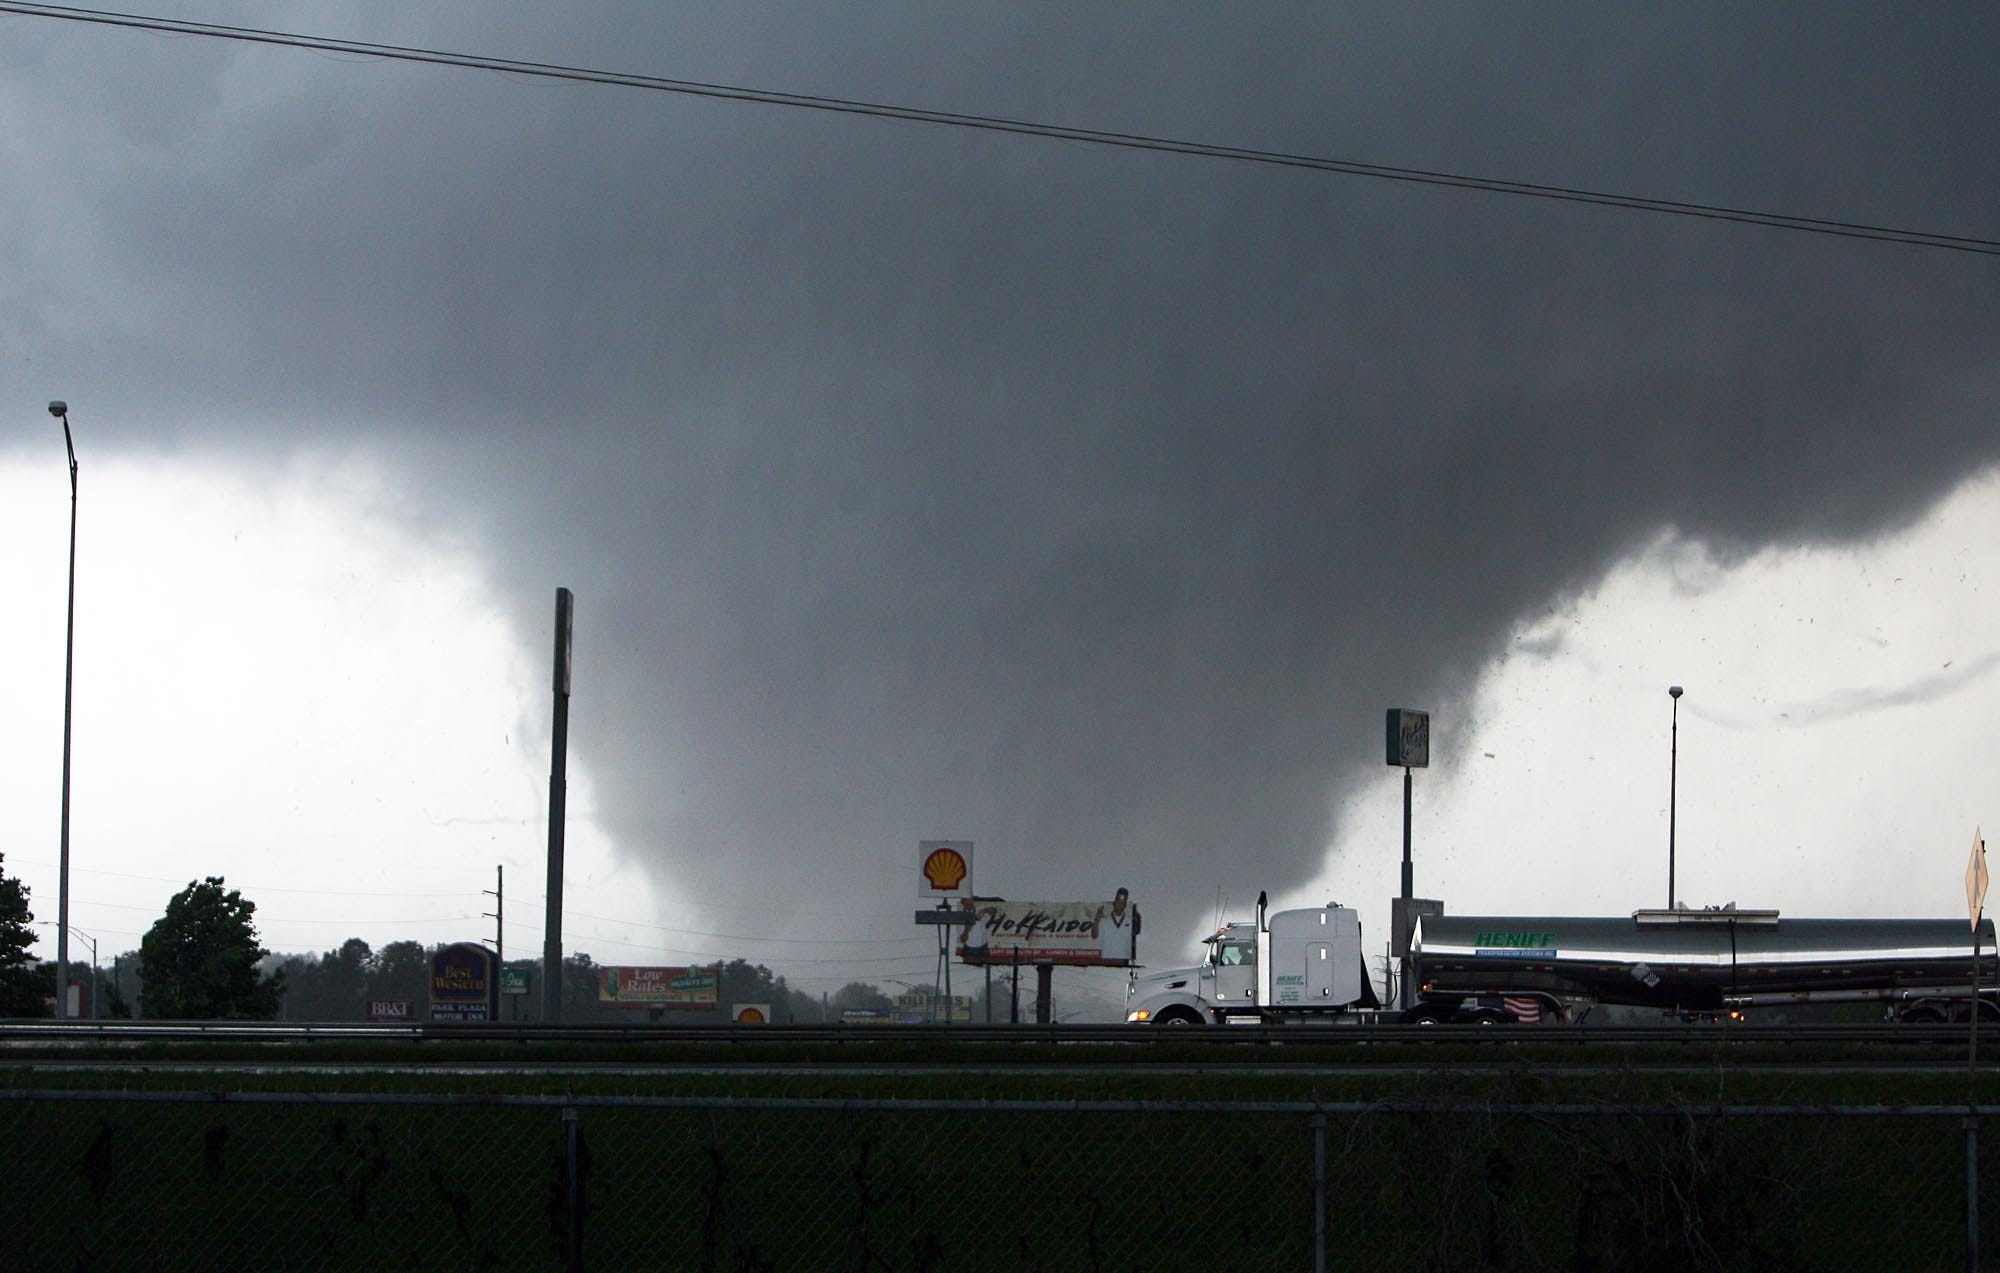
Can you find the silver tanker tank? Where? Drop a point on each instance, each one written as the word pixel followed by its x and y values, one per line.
pixel 1701 960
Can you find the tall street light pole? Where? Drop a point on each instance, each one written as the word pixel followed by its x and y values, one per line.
pixel 1673 781
pixel 60 410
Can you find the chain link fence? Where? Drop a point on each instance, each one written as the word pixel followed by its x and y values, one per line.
pixel 285 1180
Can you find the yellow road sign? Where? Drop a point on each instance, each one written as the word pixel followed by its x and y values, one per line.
pixel 1975 879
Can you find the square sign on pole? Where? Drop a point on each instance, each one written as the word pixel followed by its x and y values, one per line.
pixel 944 868
pixel 1409 738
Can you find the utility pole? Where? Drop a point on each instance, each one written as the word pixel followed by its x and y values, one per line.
pixel 552 979
pixel 499 895
pixel 1673 783
pixel 60 410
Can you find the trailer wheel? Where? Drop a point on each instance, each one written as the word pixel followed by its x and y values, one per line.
pixel 1923 1016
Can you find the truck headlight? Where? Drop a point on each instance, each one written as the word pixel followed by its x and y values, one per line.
pixel 1137 1015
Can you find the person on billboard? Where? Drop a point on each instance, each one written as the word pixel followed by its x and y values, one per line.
pixel 972 946
pixel 1116 927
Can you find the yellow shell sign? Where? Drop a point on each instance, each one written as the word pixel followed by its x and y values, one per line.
pixel 946 868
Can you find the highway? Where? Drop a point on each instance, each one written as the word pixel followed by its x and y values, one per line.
pixel 1136 1041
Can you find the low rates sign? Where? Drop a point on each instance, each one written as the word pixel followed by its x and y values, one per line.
pixel 694 988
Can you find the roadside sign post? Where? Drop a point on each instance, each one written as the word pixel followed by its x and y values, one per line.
pixel 944 919
pixel 1975 898
pixel 944 870
pixel 1409 746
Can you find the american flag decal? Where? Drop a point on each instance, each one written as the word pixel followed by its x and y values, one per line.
pixel 1525 1010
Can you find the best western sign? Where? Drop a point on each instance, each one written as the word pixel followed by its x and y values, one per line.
pixel 463 987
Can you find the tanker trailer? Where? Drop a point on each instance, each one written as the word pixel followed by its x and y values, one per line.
pixel 1697 962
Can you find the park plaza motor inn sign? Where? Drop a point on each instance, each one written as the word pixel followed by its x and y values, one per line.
pixel 463 984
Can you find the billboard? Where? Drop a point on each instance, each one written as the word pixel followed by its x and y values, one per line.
pixel 463 987
pixel 391 1010
pixel 1080 934
pixel 1409 738
pixel 920 1009
pixel 691 988
pixel 866 1016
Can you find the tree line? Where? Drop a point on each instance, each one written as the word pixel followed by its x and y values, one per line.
pixel 202 961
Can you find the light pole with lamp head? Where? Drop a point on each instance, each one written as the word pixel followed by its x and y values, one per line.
pixel 96 980
pixel 1673 780
pixel 60 410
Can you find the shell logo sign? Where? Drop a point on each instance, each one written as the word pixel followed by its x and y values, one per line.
pixel 944 868
pixel 753 1014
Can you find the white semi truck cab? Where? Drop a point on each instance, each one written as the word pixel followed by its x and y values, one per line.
pixel 1298 965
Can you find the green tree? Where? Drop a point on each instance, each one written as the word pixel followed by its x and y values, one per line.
pixel 115 1005
pixel 301 985
pixel 20 996
pixel 579 992
pixel 859 996
pixel 200 959
pixel 329 988
pixel 744 982
pixel 121 996
pixel 401 970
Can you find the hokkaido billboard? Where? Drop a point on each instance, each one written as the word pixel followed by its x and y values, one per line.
pixel 1080 934
pixel 695 989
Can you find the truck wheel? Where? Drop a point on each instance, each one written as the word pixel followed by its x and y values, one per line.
pixel 1426 1016
pixel 1177 1016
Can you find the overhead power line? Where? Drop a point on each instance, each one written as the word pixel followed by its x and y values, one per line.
pixel 789 941
pixel 1001 124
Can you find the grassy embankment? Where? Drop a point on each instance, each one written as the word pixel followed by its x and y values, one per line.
pixel 250 1185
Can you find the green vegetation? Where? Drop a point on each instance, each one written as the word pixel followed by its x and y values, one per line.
pixel 21 995
pixel 1520 1169
pixel 200 959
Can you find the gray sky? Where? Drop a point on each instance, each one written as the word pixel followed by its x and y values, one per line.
pixel 1087 503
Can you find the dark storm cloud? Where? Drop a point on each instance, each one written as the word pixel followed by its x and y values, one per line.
pixel 1085 503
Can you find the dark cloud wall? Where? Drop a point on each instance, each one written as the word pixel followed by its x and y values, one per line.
pixel 1091 504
